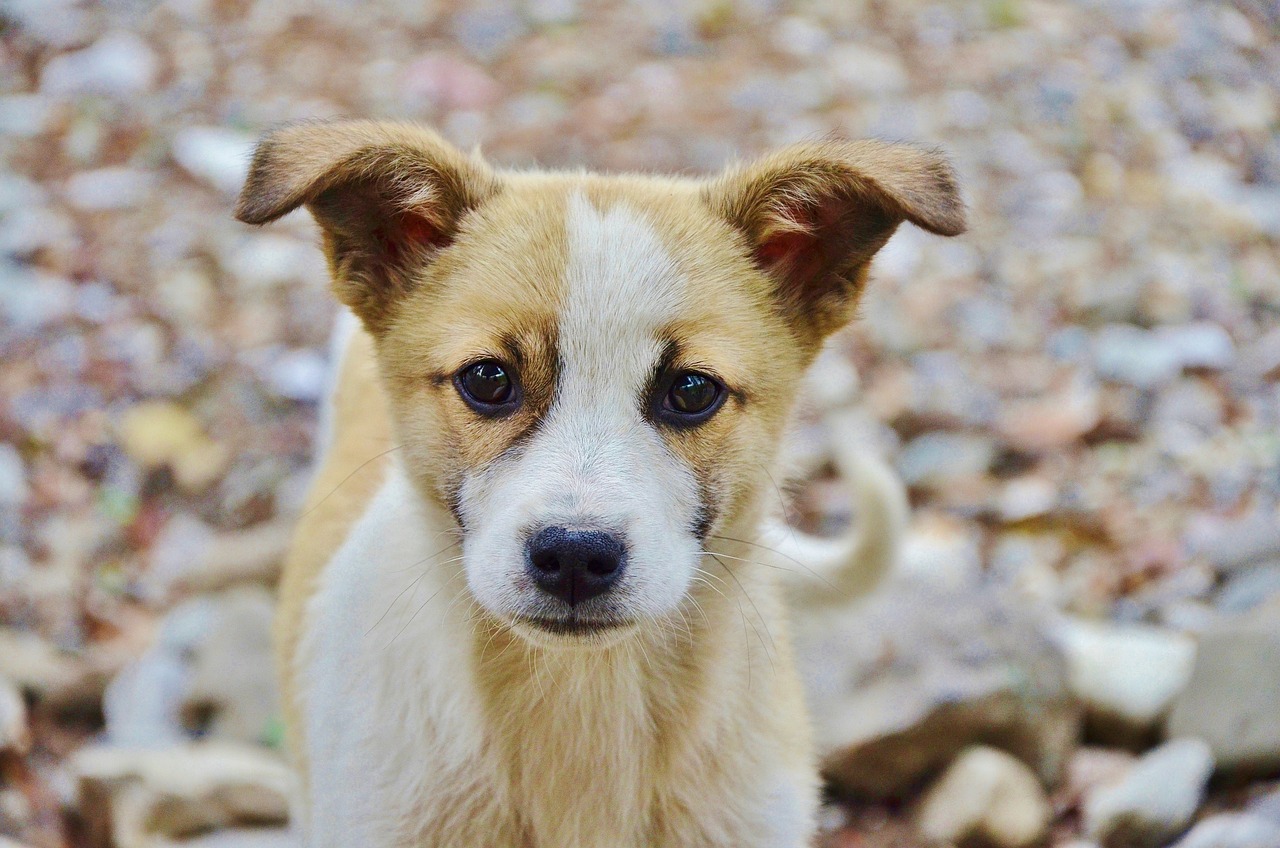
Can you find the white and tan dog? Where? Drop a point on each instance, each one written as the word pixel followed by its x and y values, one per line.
pixel 542 615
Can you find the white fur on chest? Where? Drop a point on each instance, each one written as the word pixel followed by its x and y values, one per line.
pixel 405 749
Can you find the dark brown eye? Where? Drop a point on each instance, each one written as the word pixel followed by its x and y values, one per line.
pixel 693 395
pixel 487 386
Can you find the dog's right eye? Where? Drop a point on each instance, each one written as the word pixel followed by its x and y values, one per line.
pixel 487 387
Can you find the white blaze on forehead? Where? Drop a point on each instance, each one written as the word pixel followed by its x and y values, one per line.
pixel 622 285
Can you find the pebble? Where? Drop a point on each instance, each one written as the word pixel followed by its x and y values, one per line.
pixel 1230 700
pixel 119 64
pixel 216 155
pixel 179 791
pixel 160 433
pixel 1127 675
pixel 15 737
pixel 935 459
pixel 1249 589
pixel 1232 830
pixel 1135 356
pixel 1200 345
pixel 1242 543
pixel 969 665
pixel 13 477
pixel 1154 801
pixel 233 680
pixel 107 189
pixel 985 797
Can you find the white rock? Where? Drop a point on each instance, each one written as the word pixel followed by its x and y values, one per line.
pixel 1231 699
pixel 30 228
pixel 217 155
pixel 238 838
pixel 142 703
pixel 1232 830
pixel 14 734
pixel 108 188
pixel 985 796
pixel 118 64
pixel 1201 344
pixel 1155 800
pixel 1128 673
pixel 300 374
pixel 24 115
pixel 832 381
pixel 867 70
pixel 13 476
pixel 1135 356
pixel 183 790
pixel 263 260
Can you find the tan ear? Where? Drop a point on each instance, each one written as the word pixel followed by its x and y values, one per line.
pixel 387 197
pixel 814 214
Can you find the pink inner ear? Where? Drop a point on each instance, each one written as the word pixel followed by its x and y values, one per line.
pixel 417 230
pixel 410 230
pixel 783 248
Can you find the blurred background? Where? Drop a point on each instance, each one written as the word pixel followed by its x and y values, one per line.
pixel 1082 644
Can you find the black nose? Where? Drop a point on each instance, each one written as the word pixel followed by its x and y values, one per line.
pixel 575 565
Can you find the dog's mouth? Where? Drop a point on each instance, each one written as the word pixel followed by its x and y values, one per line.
pixel 573 625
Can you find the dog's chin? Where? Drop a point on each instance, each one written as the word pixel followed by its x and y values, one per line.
pixel 572 631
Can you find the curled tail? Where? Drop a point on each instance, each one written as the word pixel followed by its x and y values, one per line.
pixel 837 570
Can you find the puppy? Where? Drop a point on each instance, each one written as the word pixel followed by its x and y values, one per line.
pixel 529 603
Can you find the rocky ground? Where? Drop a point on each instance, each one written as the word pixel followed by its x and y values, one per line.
pixel 1082 646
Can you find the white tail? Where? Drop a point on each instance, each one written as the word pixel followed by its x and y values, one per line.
pixel 837 570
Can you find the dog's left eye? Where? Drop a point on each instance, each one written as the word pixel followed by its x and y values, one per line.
pixel 487 386
pixel 693 397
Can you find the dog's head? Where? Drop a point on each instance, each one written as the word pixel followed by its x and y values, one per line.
pixel 592 373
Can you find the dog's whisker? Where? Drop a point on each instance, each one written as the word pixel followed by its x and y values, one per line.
pixel 750 600
pixel 347 479
pixel 416 580
pixel 443 586
pixel 806 567
pixel 772 565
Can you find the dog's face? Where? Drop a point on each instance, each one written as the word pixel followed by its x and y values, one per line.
pixel 592 373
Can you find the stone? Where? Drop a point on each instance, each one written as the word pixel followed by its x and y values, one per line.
pixel 13 476
pixel 866 70
pixel 119 64
pixel 923 671
pixel 107 189
pixel 127 794
pixel 299 375
pixel 1154 801
pixel 215 155
pixel 239 838
pixel 1266 806
pixel 1231 699
pixel 1137 357
pixel 1051 423
pixel 161 433
pixel 1249 589
pixel 1127 675
pixel 935 458
pixel 986 797
pixel 1200 344
pixel 15 736
pixel 34 665
pixel 190 556
pixel 1091 767
pixel 233 681
pixel 1241 543
pixel 1232 830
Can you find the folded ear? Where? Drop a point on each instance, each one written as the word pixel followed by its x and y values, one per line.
pixel 814 214
pixel 387 198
